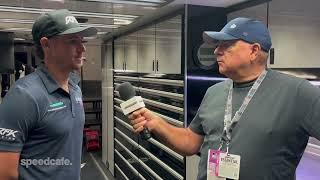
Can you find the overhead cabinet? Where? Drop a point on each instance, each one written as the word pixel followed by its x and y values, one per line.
pixel 126 53
pixel 168 46
pixel 146 50
pixel 131 52
pixel 119 54
pixel 154 49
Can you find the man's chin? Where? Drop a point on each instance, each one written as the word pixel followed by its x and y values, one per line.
pixel 222 70
pixel 77 67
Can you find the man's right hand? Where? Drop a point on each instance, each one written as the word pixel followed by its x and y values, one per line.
pixel 9 165
pixel 181 140
pixel 144 118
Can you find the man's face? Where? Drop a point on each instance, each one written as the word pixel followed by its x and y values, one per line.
pixel 232 56
pixel 66 51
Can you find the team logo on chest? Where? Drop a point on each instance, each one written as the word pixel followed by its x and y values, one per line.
pixel 56 106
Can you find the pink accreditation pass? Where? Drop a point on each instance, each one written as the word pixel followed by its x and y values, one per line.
pixel 213 165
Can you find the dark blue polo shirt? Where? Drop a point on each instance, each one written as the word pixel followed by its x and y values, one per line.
pixel 45 124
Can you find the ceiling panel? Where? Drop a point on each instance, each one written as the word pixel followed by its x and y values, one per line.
pixel 214 3
pixel 105 15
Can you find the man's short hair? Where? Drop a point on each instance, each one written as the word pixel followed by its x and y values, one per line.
pixel 39 51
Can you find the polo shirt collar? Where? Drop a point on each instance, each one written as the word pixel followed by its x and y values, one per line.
pixel 49 82
pixel 47 79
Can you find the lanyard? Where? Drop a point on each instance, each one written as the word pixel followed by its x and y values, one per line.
pixel 230 123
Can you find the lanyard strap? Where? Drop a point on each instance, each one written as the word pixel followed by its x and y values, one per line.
pixel 228 122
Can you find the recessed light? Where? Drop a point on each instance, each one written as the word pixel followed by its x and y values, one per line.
pixel 18 39
pixel 16 29
pixel 152 8
pixel 138 3
pixel 121 21
pixel 117 6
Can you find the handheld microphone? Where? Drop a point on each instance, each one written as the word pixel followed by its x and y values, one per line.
pixel 131 103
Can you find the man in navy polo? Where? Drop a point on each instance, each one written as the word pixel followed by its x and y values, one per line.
pixel 42 116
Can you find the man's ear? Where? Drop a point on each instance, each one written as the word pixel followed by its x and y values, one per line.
pixel 44 41
pixel 255 50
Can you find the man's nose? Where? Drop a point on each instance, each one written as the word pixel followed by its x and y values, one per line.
pixel 217 51
pixel 82 48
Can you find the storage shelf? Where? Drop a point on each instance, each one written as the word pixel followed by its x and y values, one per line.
pixel 92 108
pixel 156 165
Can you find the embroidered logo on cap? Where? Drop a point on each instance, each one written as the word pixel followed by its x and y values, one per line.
pixel 71 19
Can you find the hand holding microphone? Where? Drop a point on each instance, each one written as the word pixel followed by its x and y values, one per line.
pixel 132 103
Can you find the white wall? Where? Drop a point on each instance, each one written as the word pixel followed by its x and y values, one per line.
pixel 256 12
pixel 295 30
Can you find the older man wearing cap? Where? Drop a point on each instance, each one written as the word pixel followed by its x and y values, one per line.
pixel 42 116
pixel 256 124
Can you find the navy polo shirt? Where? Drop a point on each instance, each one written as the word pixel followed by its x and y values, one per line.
pixel 45 124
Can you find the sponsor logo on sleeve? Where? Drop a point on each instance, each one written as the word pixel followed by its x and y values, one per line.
pixel 8 134
pixel 79 100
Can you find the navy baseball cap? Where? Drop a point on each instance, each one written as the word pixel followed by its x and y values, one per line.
pixel 249 30
pixel 59 22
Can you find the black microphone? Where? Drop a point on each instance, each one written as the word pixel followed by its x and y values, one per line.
pixel 131 103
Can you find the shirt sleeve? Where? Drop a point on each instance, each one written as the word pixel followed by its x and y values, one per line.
pixel 196 123
pixel 311 120
pixel 18 114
